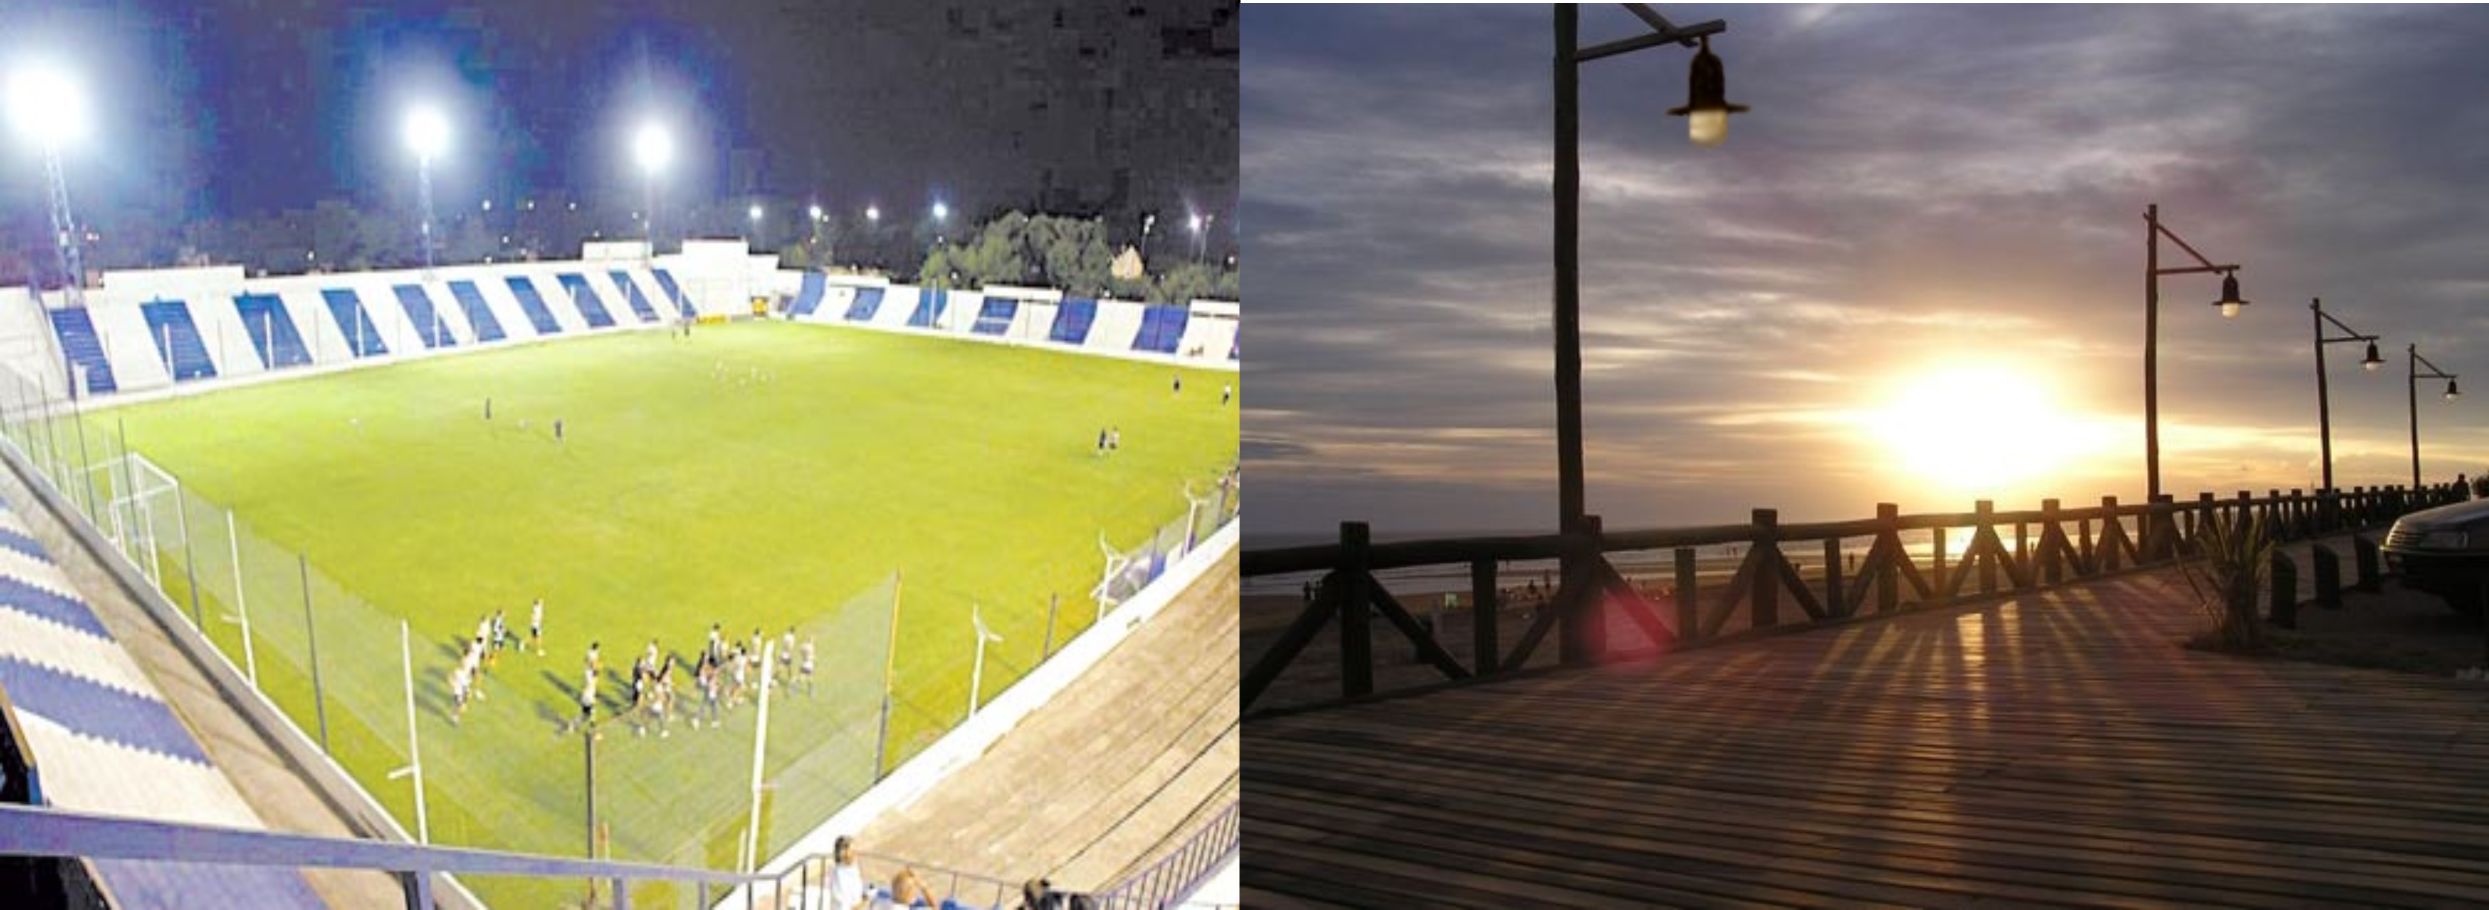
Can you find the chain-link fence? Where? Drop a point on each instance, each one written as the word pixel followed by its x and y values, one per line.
pixel 511 767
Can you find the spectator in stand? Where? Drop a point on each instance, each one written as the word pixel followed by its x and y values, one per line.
pixel 847 891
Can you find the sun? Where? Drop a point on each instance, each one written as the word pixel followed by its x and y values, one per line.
pixel 1981 428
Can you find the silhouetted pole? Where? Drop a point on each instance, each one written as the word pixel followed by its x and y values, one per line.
pixel 1568 191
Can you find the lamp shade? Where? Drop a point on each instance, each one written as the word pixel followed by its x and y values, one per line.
pixel 1706 103
pixel 2451 393
pixel 2230 301
pixel 2372 362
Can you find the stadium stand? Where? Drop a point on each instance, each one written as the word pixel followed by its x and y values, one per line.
pixel 479 315
pixel 631 293
pixel 1071 320
pixel 84 348
pixel 1119 766
pixel 271 330
pixel 674 292
pixel 808 299
pixel 994 316
pixel 929 305
pixel 868 302
pixel 107 741
pixel 177 340
pixel 1162 327
pixel 1115 325
pixel 353 323
pixel 591 307
pixel 430 327
pixel 532 304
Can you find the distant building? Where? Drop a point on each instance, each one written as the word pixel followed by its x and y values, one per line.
pixel 1128 265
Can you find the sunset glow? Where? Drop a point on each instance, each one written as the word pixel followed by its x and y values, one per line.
pixel 1981 429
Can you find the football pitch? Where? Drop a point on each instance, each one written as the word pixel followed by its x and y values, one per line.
pixel 868 489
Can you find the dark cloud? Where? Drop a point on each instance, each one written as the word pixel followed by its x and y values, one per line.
pixel 1916 186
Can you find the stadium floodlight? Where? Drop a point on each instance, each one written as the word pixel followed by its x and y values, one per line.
pixel 427 135
pixel 815 213
pixel 426 132
pixel 754 212
pixel 873 213
pixel 653 148
pixel 941 212
pixel 47 108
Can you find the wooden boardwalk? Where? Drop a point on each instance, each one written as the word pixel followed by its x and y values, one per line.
pixel 2052 749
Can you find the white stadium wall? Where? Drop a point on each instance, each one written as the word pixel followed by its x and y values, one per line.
pixel 719 278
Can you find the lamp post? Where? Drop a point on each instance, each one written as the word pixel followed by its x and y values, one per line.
pixel 2412 388
pixel 2229 305
pixel 427 135
pixel 2324 404
pixel 754 213
pixel 1707 95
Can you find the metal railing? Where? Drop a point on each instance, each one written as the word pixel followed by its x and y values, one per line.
pixel 46 832
pixel 2049 546
pixel 1182 871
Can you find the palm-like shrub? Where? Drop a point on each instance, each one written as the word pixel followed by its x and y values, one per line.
pixel 2236 553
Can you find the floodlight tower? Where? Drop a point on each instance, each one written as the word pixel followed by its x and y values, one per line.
pixel 427 135
pixel 48 110
pixel 653 148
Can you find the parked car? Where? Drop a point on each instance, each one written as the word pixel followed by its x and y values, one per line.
pixel 2444 551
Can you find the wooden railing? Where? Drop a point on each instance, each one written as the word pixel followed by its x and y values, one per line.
pixel 2051 545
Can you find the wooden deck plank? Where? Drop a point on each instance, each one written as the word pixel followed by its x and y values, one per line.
pixel 2057 747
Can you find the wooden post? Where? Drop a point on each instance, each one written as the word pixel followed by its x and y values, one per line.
pixel 1689 611
pixel 1356 639
pixel 2107 556
pixel 1987 567
pixel 1936 568
pixel 2052 563
pixel 1766 584
pixel 2328 576
pixel 1832 577
pixel 2284 608
pixel 1887 582
pixel 2364 555
pixel 2022 549
pixel 1582 626
pixel 1484 601
pixel 2299 526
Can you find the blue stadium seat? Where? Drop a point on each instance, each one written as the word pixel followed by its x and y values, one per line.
pixel 532 304
pixel 994 318
pixel 868 301
pixel 177 340
pixel 1072 318
pixel 631 293
pixel 1162 327
pixel 471 302
pixel 591 307
pixel 808 299
pixel 83 347
pixel 930 302
pixel 426 320
pixel 362 337
pixel 272 331
pixel 674 292
pixel 118 734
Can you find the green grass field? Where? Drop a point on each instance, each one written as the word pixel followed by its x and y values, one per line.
pixel 757 474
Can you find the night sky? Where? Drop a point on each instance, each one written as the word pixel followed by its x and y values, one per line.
pixel 243 107
pixel 1917 187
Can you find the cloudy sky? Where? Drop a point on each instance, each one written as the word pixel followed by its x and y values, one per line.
pixel 1912 274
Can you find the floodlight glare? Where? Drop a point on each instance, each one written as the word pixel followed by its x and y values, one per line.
pixel 427 133
pixel 755 211
pixel 872 213
pixel 941 212
pixel 652 147
pixel 815 213
pixel 46 106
